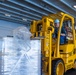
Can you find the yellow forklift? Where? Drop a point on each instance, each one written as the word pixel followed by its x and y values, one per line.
pixel 56 58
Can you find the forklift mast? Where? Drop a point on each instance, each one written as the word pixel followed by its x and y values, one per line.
pixel 44 28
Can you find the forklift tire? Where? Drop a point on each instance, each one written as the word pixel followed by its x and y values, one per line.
pixel 75 65
pixel 58 67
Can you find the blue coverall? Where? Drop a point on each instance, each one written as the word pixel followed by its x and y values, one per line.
pixel 62 38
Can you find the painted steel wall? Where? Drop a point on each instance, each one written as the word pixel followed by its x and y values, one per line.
pixel 6 28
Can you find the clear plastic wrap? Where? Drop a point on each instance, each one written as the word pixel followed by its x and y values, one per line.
pixel 22 56
pixel 22 38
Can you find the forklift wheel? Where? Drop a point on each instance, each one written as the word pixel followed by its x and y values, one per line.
pixel 75 64
pixel 57 67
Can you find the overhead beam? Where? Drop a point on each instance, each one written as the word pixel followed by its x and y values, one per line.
pixel 50 3
pixel 64 2
pixel 2 17
pixel 9 20
pixel 27 7
pixel 13 16
pixel 20 10
pixel 17 15
pixel 39 6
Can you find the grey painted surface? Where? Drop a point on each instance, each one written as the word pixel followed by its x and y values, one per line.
pixel 6 28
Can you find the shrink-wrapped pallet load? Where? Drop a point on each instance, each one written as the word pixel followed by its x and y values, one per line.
pixel 22 56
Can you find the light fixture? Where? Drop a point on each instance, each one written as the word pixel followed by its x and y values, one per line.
pixel 24 19
pixel 8 15
pixel 74 6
